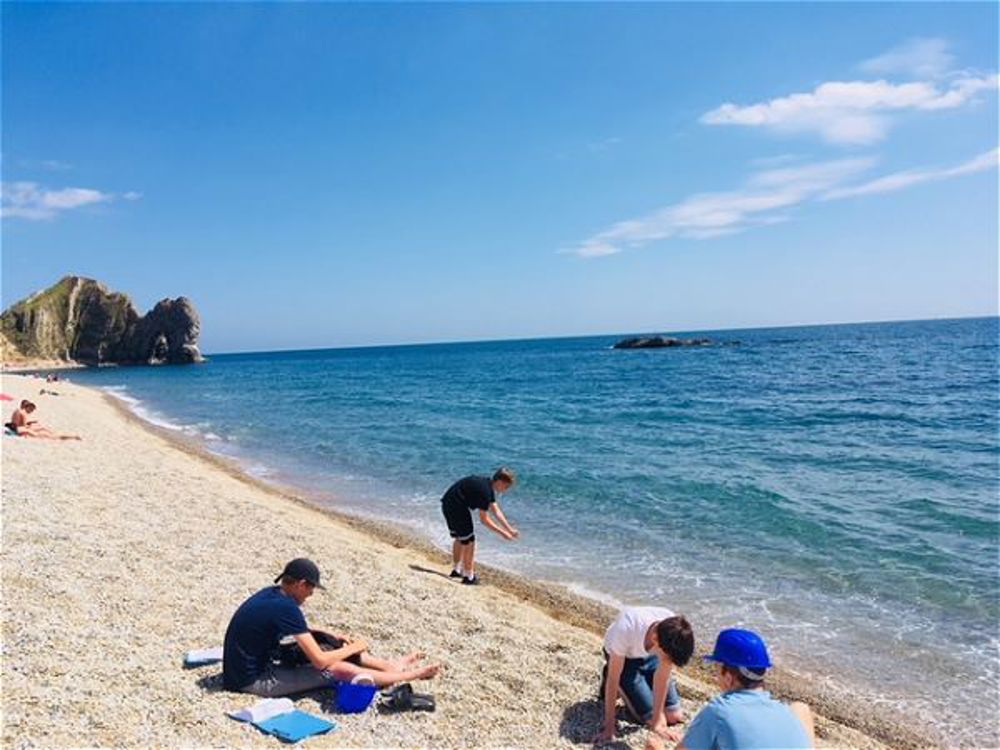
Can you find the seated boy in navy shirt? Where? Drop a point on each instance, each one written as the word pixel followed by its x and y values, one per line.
pixel 254 635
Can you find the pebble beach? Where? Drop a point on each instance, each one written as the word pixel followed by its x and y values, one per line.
pixel 127 549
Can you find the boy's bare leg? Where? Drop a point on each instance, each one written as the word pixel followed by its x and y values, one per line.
pixel 456 554
pixel 384 665
pixel 468 560
pixel 38 431
pixel 345 672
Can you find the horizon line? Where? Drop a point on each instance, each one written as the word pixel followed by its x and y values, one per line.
pixel 512 339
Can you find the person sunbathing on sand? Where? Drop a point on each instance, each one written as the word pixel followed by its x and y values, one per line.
pixel 256 629
pixel 642 646
pixel 745 715
pixel 25 427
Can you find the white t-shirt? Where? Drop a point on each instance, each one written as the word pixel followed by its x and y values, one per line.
pixel 627 635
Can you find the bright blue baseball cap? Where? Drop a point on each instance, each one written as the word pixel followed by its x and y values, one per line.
pixel 744 650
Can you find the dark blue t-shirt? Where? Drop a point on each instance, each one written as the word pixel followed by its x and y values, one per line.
pixel 472 493
pixel 254 632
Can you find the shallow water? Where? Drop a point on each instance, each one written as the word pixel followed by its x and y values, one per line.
pixel 835 487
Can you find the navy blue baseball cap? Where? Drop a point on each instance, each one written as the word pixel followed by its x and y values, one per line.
pixel 301 569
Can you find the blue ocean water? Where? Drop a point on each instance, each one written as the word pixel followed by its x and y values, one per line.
pixel 835 487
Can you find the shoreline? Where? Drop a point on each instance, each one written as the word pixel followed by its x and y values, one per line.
pixel 838 721
pixel 834 709
pixel 32 366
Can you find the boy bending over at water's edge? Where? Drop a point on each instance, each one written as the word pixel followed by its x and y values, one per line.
pixel 464 496
pixel 254 637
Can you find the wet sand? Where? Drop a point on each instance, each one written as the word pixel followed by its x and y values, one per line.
pixel 124 551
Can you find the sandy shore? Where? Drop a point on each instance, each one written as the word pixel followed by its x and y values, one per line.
pixel 32 365
pixel 125 550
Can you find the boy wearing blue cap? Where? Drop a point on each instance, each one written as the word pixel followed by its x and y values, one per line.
pixel 745 716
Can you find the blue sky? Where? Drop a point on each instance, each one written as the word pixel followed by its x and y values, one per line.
pixel 341 174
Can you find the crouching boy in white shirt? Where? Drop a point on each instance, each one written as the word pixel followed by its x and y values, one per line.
pixel 642 646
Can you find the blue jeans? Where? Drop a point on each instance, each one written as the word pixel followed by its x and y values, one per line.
pixel 637 684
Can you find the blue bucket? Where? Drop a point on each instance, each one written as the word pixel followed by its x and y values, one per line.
pixel 355 698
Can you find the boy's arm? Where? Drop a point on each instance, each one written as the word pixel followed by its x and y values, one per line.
pixel 658 722
pixel 498 512
pixel 492 525
pixel 615 665
pixel 330 634
pixel 702 733
pixel 804 714
pixel 322 659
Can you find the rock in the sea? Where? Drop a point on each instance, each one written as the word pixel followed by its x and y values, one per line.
pixel 168 333
pixel 659 342
pixel 80 320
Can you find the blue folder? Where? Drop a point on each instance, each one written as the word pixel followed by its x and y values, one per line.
pixel 295 726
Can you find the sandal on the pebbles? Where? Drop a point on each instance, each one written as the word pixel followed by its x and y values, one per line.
pixel 402 698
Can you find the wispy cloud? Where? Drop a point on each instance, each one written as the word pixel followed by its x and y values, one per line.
pixel 780 160
pixel 48 165
pixel 919 57
pixel 850 112
pixel 762 200
pixel 54 165
pixel 603 145
pixel 841 112
pixel 908 178
pixel 767 197
pixel 31 201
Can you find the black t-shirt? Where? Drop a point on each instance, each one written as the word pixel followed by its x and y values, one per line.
pixel 472 493
pixel 254 632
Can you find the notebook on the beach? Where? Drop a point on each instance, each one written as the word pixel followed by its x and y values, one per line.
pixel 202 656
pixel 295 726
pixel 263 710
pixel 280 718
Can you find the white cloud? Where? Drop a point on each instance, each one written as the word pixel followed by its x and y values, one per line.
pixel 766 198
pixel 850 112
pixel 921 58
pixel 29 200
pixel 901 180
pixel 603 145
pixel 54 165
pixel 776 161
pixel 48 165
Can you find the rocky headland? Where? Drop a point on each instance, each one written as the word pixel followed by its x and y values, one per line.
pixel 79 321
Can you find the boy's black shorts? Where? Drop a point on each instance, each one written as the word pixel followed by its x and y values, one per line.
pixel 459 520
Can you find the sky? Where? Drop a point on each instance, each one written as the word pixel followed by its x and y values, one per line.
pixel 323 175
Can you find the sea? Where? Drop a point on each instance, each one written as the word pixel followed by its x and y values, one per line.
pixel 836 488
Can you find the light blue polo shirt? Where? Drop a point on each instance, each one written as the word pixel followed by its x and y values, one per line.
pixel 746 720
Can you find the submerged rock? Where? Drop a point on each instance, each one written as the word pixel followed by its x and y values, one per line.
pixel 80 320
pixel 659 342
